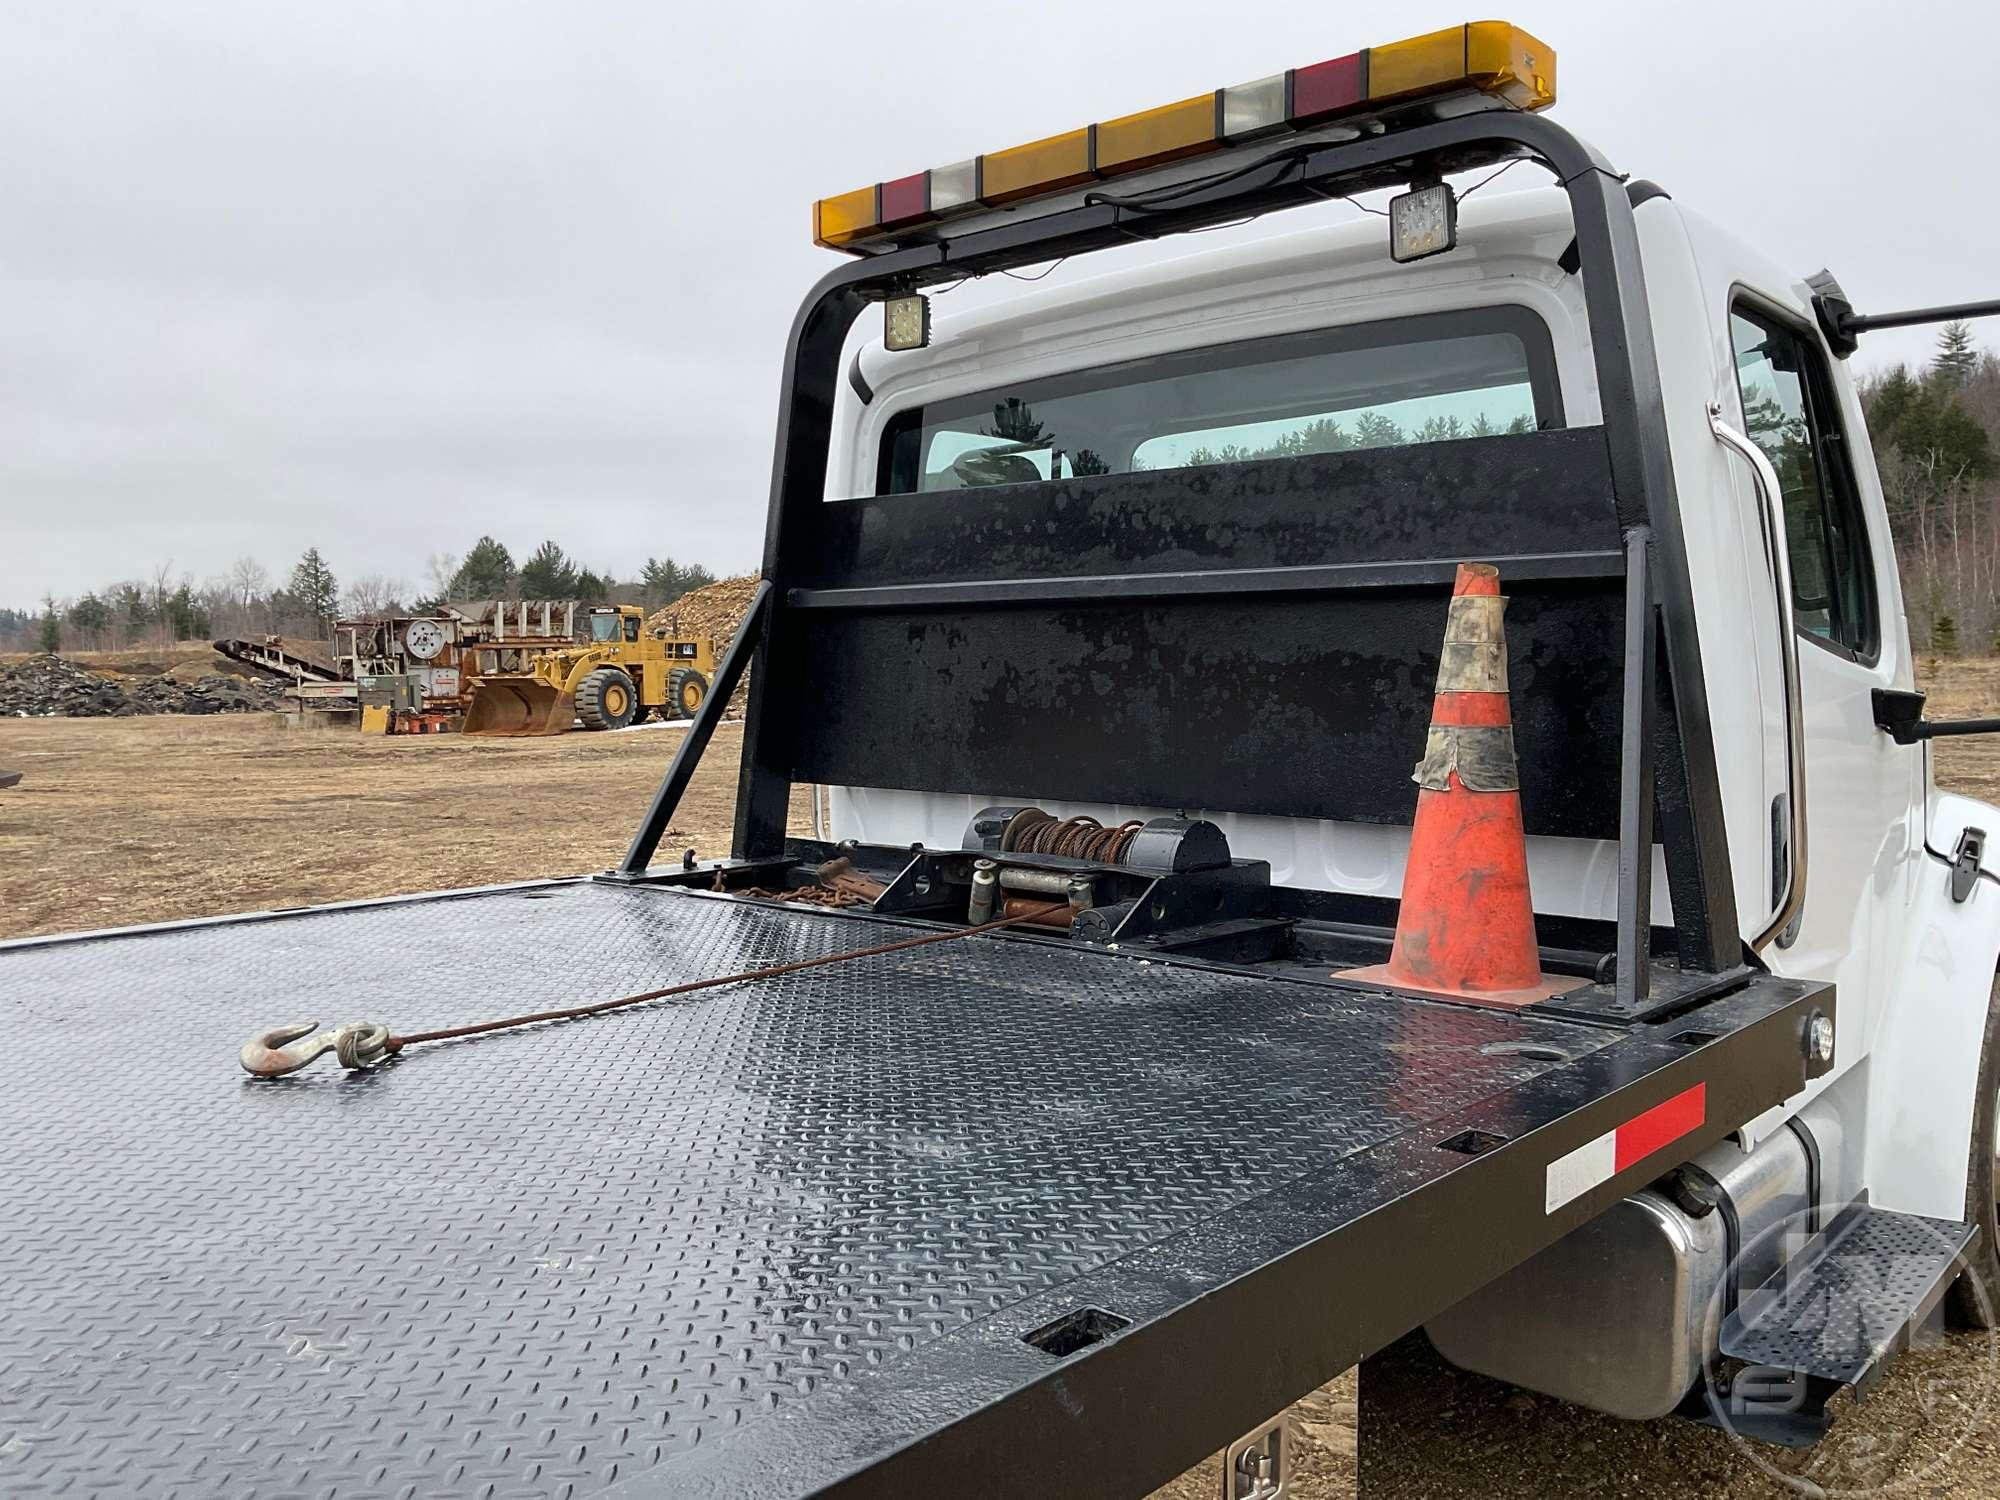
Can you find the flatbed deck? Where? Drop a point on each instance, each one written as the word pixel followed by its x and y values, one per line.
pixel 779 1238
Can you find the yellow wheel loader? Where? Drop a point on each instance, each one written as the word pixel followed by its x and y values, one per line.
pixel 619 675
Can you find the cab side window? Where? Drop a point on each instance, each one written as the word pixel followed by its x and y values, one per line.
pixel 1789 412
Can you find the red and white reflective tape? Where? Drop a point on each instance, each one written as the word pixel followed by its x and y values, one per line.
pixel 1595 1163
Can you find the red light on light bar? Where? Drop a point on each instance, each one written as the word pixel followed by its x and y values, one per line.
pixel 1329 87
pixel 905 199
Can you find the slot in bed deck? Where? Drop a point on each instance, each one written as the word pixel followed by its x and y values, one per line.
pixel 784 1238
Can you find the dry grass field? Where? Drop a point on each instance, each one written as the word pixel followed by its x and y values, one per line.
pixel 148 819
pixel 1966 690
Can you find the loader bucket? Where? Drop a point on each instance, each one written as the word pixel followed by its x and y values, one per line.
pixel 518 706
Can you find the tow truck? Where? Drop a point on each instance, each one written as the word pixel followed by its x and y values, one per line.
pixel 1067 1145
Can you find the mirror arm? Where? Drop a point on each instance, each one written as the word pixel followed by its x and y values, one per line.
pixel 1901 713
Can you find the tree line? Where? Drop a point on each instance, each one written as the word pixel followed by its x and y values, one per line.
pixel 1937 445
pixel 165 608
pixel 1936 434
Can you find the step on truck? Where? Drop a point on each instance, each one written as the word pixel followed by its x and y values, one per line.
pixel 1084 1088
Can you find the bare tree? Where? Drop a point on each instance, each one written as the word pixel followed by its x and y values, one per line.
pixel 218 600
pixel 373 596
pixel 440 568
pixel 250 591
pixel 1937 450
pixel 160 594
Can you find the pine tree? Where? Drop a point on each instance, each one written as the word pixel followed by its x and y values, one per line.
pixel 1927 422
pixel 486 573
pixel 663 580
pixel 314 589
pixel 1944 635
pixel 1014 418
pixel 51 631
pixel 660 581
pixel 548 574
pixel 130 602
pixel 90 615
pixel 1374 430
pixel 187 616
pixel 1957 357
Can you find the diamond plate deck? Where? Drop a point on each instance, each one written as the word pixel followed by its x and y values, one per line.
pixel 651 1251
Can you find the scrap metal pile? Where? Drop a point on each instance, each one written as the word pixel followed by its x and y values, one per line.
pixel 50 687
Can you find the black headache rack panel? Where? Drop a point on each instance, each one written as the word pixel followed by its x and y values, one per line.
pixel 1010 1215
pixel 1255 637
pixel 1092 640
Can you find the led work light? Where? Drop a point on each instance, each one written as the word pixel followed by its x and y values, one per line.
pixel 1423 221
pixel 906 322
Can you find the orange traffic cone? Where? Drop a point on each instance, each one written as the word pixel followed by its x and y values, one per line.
pixel 1466 929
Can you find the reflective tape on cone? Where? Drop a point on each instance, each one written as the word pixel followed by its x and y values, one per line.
pixel 1472 730
pixel 1466 926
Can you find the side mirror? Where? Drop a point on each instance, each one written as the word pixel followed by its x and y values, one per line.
pixel 1902 715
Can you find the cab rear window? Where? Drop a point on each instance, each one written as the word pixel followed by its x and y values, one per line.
pixel 1425 379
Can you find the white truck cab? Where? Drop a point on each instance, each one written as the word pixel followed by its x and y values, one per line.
pixel 1318 340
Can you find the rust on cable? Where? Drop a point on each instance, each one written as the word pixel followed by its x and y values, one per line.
pixel 361 1044
pixel 837 883
pixel 1071 838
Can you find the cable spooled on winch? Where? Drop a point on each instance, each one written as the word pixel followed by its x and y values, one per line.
pixel 1080 837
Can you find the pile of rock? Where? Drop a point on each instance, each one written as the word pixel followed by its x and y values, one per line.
pixel 49 687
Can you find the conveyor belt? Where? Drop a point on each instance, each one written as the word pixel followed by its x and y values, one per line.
pixel 760 1240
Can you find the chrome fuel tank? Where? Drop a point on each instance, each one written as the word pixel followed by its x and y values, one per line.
pixel 1621 1314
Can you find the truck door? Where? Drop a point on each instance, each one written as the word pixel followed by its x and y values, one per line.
pixel 1857 795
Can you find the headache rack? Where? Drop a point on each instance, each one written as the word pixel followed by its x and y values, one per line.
pixel 882 630
pixel 1042 1211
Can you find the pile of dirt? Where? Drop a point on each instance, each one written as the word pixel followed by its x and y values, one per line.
pixel 45 687
pixel 716 612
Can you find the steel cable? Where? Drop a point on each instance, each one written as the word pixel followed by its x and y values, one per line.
pixel 570 1013
pixel 360 1044
pixel 1078 838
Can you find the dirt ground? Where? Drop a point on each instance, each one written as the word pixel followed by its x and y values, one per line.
pixel 148 819
pixel 133 820
pixel 1966 690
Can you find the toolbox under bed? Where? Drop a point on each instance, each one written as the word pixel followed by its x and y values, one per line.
pixel 1006 1214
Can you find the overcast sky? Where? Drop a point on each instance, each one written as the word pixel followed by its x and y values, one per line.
pixel 381 275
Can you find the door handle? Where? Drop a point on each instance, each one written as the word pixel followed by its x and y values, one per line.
pixel 1771 517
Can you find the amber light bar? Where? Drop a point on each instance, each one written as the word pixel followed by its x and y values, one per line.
pixel 1493 58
